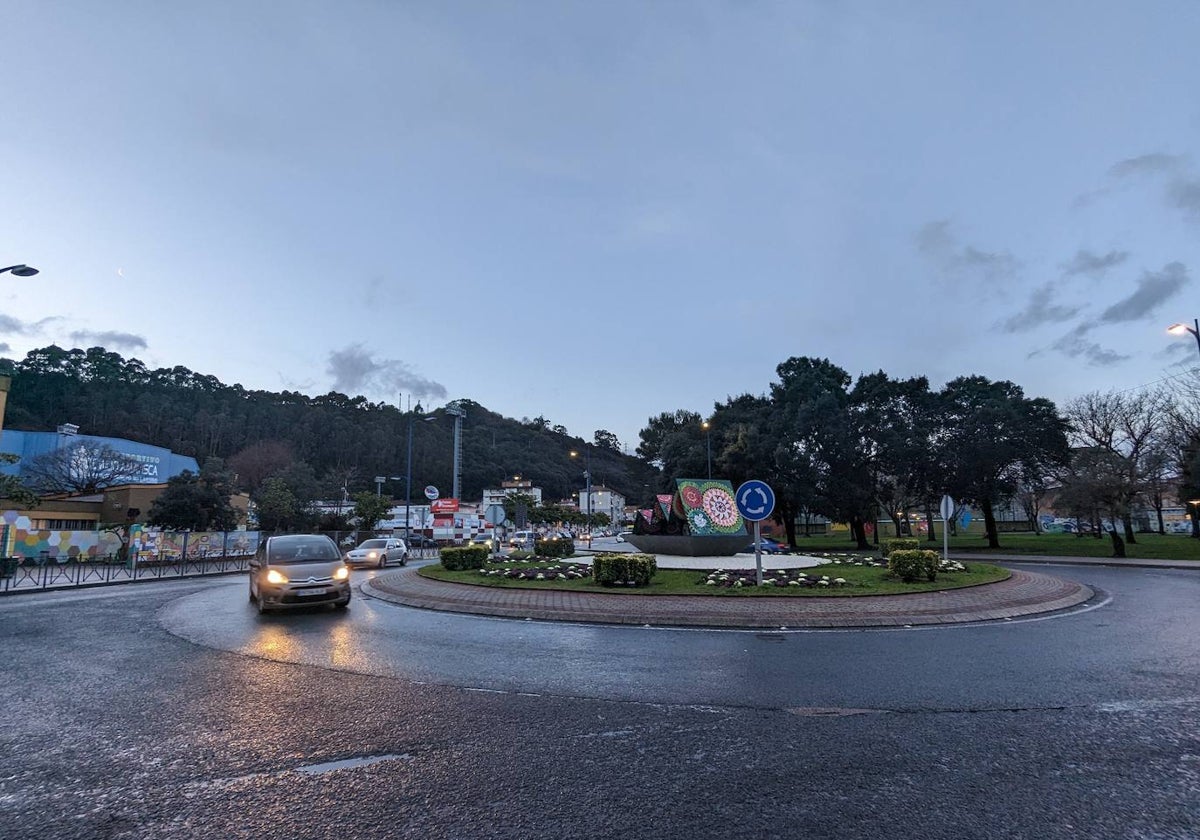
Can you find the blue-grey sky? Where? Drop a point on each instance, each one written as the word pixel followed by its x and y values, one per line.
pixel 596 212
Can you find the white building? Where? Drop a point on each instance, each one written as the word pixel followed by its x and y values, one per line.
pixel 603 500
pixel 515 486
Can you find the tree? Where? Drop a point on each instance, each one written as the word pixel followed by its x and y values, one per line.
pixel 988 431
pixel 821 442
pixel 607 440
pixel 258 461
pixel 369 509
pixel 1129 426
pixel 11 487
pixel 82 467
pixel 196 502
pixel 276 505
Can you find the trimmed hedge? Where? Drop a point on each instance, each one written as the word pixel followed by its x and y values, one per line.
pixel 609 568
pixel 465 557
pixel 554 547
pixel 899 544
pixel 912 565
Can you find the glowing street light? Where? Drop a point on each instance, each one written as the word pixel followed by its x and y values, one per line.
pixel 1180 329
pixel 707 427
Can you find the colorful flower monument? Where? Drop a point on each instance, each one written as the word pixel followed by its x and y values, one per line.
pixel 700 519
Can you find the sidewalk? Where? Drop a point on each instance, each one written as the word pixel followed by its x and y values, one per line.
pixel 1131 562
pixel 1025 593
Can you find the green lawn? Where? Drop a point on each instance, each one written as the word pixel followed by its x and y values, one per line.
pixel 1148 546
pixel 860 580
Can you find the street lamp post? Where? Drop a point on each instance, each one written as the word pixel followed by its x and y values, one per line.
pixel 708 444
pixel 587 474
pixel 20 270
pixel 1180 329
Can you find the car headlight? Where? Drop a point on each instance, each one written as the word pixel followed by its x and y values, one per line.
pixel 275 577
pixel 370 554
pixel 341 574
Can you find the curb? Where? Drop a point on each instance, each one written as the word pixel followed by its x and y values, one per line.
pixel 1023 594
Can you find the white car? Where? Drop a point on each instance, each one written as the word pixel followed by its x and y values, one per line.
pixel 377 552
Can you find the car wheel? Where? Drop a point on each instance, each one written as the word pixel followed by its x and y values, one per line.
pixel 404 559
pixel 260 602
pixel 341 605
pixel 382 560
pixel 251 594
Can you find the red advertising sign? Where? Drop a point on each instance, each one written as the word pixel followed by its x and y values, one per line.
pixel 444 506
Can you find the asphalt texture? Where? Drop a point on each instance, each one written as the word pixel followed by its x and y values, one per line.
pixel 173 710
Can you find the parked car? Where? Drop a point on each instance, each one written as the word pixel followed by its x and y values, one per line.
pixel 298 570
pixel 378 552
pixel 770 546
pixel 421 541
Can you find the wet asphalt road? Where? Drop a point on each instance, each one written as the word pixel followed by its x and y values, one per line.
pixel 174 710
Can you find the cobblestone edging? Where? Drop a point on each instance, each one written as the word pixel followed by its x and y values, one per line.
pixel 1025 593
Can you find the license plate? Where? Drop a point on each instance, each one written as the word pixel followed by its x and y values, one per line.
pixel 304 592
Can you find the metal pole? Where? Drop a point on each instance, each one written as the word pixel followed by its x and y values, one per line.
pixel 708 446
pixel 587 452
pixel 408 482
pixel 457 453
pixel 1196 331
pixel 758 551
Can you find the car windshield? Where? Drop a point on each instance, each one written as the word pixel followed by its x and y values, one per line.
pixel 301 550
pixel 374 544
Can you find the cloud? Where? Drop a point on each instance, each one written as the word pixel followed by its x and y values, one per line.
pixel 4 348
pixel 963 263
pixel 109 339
pixel 354 370
pixel 1076 344
pixel 1182 186
pixel 15 326
pixel 1040 310
pixel 1153 289
pixel 1094 265
pixel 1151 164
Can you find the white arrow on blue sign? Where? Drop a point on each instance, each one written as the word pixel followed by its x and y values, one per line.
pixel 755 500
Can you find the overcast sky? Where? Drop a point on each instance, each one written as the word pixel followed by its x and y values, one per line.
pixel 597 212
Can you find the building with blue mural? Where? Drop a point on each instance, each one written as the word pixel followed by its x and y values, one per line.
pixel 158 464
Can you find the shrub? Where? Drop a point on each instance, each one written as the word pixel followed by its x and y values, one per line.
pixel 911 565
pixel 554 547
pixel 900 544
pixel 637 569
pixel 467 557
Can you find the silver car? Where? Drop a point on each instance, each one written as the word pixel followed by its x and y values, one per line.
pixel 378 552
pixel 298 570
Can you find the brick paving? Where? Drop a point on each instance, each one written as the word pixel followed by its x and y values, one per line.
pixel 1025 593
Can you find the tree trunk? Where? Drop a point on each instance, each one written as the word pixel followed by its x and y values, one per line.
pixel 860 534
pixel 1127 521
pixel 929 532
pixel 989 523
pixel 1117 543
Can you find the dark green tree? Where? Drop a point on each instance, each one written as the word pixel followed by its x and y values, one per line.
pixel 988 432
pixel 196 502
pixel 369 509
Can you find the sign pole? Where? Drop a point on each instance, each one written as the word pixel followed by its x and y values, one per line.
pixel 947 511
pixel 758 551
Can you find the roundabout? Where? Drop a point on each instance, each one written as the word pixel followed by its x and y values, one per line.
pixel 1022 594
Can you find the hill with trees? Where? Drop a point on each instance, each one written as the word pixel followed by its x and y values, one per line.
pixel 313 446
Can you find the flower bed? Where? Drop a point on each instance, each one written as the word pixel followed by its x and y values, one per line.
pixel 559 571
pixel 737 578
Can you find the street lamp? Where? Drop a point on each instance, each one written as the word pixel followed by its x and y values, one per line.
pixel 1180 329
pixel 20 270
pixel 587 474
pixel 708 444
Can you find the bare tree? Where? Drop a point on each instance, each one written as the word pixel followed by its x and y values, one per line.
pixel 83 467
pixel 1127 425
